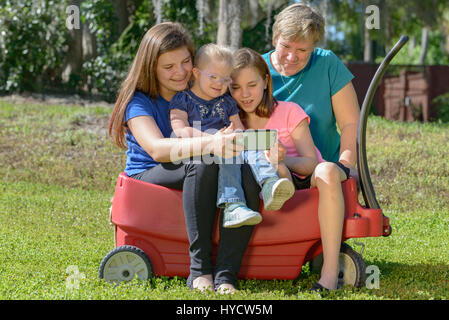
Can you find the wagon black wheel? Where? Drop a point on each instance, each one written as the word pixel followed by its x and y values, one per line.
pixel 316 263
pixel 387 231
pixel 352 267
pixel 124 263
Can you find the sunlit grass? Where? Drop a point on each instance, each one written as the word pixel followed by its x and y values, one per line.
pixel 58 174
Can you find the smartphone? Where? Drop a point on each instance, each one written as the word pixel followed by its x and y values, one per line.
pixel 258 139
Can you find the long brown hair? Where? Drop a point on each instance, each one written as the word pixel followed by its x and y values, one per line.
pixel 248 58
pixel 161 38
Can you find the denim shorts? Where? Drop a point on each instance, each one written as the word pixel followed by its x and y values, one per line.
pixel 345 169
pixel 304 183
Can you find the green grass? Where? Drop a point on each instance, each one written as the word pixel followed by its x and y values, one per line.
pixel 58 174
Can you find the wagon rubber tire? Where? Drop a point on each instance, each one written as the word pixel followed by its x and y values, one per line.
pixel 352 269
pixel 387 232
pixel 124 263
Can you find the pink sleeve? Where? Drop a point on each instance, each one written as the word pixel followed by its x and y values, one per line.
pixel 295 115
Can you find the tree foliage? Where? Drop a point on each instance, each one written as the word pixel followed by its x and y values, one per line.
pixel 35 42
pixel 32 43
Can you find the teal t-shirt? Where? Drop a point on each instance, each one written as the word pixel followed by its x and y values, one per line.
pixel 312 88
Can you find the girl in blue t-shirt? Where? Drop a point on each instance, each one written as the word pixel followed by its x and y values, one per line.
pixel 140 124
pixel 207 108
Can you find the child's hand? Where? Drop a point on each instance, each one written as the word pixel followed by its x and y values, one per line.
pixel 276 154
pixel 229 129
pixel 224 143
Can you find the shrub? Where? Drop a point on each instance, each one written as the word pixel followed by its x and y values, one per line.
pixel 442 104
pixel 32 43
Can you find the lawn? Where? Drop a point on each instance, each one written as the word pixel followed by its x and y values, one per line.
pixel 58 174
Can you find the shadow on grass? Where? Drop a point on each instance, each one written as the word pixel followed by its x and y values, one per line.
pixel 412 281
pixel 397 281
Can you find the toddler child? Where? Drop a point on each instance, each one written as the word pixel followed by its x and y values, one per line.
pixel 207 107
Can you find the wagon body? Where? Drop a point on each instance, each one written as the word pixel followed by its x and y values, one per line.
pixel 151 218
pixel 151 236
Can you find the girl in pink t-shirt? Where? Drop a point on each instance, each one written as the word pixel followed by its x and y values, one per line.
pixel 285 119
pixel 299 159
pixel 260 110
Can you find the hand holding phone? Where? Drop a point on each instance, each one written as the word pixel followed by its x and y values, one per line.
pixel 276 154
pixel 257 139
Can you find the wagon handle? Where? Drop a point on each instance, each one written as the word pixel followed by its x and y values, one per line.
pixel 362 165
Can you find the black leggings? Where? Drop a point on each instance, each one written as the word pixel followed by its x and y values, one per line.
pixel 199 183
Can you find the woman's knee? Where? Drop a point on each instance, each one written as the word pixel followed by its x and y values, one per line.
pixel 328 173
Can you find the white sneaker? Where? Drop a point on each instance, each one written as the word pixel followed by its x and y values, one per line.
pixel 237 214
pixel 275 192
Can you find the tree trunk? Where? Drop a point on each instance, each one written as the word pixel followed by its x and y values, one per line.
pixel 447 44
pixel 268 24
pixel 424 45
pixel 253 13
pixel 74 57
pixel 157 11
pixel 368 48
pixel 222 33
pixel 362 29
pixel 122 14
pixel 323 9
pixel 386 24
pixel 229 24
pixel 411 46
pixel 89 43
pixel 367 42
pixel 235 34
pixel 200 8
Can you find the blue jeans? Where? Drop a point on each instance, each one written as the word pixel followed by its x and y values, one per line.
pixel 230 176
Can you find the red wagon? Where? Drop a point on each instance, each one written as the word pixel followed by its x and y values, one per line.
pixel 151 237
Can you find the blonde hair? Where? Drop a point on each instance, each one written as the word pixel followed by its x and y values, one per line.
pixel 161 38
pixel 299 21
pixel 248 58
pixel 213 52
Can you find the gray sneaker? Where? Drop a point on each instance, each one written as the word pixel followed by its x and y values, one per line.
pixel 275 192
pixel 238 214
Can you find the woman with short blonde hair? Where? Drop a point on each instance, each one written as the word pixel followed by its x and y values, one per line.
pixel 299 21
pixel 320 83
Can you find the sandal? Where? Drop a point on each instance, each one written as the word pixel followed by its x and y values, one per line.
pixel 316 287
